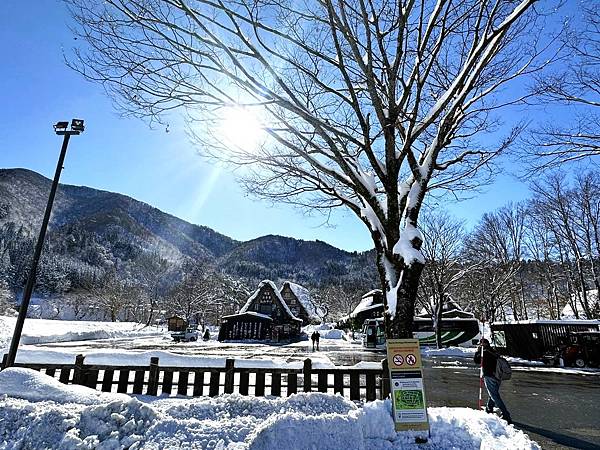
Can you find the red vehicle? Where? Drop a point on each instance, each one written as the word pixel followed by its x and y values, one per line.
pixel 580 349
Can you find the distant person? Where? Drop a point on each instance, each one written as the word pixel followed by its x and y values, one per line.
pixel 313 338
pixel 492 384
pixel 206 336
pixel 318 338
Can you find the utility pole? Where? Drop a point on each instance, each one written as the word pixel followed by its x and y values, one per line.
pixel 61 129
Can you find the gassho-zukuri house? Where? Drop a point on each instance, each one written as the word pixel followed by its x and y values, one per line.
pixel 271 314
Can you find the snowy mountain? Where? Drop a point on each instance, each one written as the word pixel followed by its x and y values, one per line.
pixel 23 196
pixel 93 230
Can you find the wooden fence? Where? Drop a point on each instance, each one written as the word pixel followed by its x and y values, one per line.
pixel 355 383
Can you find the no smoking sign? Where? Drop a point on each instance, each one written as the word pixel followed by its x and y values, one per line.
pixel 398 360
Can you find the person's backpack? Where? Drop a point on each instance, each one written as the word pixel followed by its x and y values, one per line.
pixel 503 369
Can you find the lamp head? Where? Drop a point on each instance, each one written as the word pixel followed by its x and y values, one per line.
pixel 61 126
pixel 77 125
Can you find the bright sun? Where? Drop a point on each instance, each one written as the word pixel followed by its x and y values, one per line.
pixel 241 128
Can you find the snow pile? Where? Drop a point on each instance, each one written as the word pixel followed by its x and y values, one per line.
pixel 326 330
pixel 39 331
pixel 32 385
pixel 233 422
pixel 461 352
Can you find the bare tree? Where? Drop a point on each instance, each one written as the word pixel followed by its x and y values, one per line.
pixel 7 304
pixel 110 296
pixel 540 241
pixel 365 104
pixel 554 195
pixel 336 301
pixel 203 294
pixel 444 237
pixel 497 245
pixel 575 84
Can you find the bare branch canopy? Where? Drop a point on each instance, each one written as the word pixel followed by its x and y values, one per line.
pixel 367 104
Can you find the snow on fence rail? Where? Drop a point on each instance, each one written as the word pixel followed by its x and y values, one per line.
pixel 353 382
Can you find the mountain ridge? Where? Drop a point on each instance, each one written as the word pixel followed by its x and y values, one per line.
pixel 119 228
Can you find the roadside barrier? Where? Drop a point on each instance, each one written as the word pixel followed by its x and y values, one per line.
pixel 236 376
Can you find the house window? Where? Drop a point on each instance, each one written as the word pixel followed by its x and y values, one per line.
pixel 265 308
pixel 265 297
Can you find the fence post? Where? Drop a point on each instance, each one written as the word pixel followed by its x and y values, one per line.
pixel 153 377
pixel 229 376
pixel 307 371
pixel 385 380
pixel 79 371
pixel 4 358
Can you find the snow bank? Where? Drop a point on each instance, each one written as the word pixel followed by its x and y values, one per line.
pixel 464 352
pixel 326 330
pixel 33 386
pixel 302 421
pixel 38 331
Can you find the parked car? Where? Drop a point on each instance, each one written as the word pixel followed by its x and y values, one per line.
pixel 189 335
pixel 579 349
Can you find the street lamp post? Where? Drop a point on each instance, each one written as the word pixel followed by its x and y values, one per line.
pixel 61 129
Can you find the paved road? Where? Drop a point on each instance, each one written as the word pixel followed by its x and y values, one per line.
pixel 557 410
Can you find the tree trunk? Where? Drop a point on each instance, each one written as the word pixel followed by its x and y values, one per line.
pixel 437 321
pixel 401 325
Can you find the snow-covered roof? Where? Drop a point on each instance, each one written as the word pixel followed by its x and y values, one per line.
pixel 366 304
pixel 450 309
pixel 249 313
pixel 550 322
pixel 262 284
pixel 303 296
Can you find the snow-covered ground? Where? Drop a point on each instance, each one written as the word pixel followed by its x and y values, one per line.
pixel 125 343
pixel 39 412
pixel 39 331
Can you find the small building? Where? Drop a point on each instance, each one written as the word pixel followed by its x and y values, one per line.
pixel 265 316
pixel 246 325
pixel 531 339
pixel 176 323
pixel 369 307
pixel 301 305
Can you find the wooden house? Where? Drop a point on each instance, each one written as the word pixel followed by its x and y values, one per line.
pixel 176 323
pixel 265 316
pixel 369 307
pixel 298 300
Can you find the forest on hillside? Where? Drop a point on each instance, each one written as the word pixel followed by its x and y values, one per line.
pixel 525 260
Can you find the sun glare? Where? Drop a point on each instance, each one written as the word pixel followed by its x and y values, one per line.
pixel 241 128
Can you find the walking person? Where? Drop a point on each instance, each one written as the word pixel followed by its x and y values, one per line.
pixel 492 384
pixel 313 338
pixel 318 338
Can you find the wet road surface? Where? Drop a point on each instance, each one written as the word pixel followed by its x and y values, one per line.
pixel 557 410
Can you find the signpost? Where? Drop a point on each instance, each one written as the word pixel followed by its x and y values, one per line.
pixel 406 378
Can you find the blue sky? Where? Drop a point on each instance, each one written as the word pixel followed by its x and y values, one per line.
pixel 124 155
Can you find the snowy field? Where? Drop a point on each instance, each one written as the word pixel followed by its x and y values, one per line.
pixel 38 412
pixel 40 331
pixel 126 343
